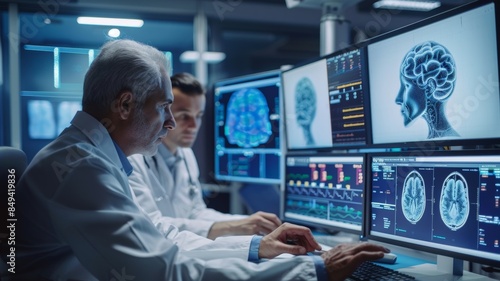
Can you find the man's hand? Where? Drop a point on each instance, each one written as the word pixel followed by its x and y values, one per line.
pixel 258 223
pixel 342 260
pixel 288 238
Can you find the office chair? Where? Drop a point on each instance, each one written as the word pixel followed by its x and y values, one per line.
pixel 13 162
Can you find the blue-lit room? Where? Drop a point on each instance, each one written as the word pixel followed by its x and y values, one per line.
pixel 250 140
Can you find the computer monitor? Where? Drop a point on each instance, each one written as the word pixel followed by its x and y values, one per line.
pixel 248 128
pixel 325 102
pixel 435 83
pixel 325 191
pixel 442 202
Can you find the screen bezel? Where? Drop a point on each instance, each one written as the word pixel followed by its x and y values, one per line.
pixel 416 245
pixel 436 143
pixel 362 46
pixel 316 225
pixel 272 74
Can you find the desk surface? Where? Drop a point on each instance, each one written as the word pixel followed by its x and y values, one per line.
pixel 404 261
pixel 421 265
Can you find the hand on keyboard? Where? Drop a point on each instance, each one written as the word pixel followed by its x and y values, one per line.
pixel 342 260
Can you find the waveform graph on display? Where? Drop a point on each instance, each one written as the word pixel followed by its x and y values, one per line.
pixel 309 207
pixel 329 191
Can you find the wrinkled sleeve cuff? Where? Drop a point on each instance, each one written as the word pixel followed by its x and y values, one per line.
pixel 319 264
pixel 253 253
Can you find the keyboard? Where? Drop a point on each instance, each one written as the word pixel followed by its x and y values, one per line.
pixel 371 271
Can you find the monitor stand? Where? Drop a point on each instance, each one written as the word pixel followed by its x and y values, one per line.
pixel 327 231
pixel 446 269
pixel 327 240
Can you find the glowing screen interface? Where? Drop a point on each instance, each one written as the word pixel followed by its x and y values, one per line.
pixel 325 191
pixel 325 103
pixel 247 130
pixel 426 86
pixel 448 202
pixel 347 103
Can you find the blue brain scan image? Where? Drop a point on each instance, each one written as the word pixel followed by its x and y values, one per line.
pixel 41 121
pixel 454 202
pixel 427 76
pixel 413 197
pixel 247 120
pixel 305 107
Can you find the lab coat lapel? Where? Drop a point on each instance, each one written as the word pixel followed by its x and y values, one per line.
pixel 100 137
pixel 167 185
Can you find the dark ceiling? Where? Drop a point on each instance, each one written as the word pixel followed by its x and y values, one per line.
pixel 266 30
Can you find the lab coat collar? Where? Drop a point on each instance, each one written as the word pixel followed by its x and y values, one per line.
pixel 170 159
pixel 98 135
pixel 123 159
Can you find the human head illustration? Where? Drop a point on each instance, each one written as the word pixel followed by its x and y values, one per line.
pixel 427 75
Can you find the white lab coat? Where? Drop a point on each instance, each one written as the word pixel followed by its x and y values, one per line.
pixel 168 201
pixel 76 219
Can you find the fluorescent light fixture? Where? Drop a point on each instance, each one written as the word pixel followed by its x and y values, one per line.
pixel 407 5
pixel 209 57
pixel 189 56
pixel 114 33
pixel 110 21
pixel 213 57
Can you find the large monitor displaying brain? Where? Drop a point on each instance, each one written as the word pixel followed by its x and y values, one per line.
pixel 434 82
pixel 454 201
pixel 444 202
pixel 325 102
pixel 247 128
pixel 247 118
pixel 413 197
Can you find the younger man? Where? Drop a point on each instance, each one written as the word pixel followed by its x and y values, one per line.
pixel 166 184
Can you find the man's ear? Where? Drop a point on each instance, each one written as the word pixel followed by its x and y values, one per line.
pixel 124 105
